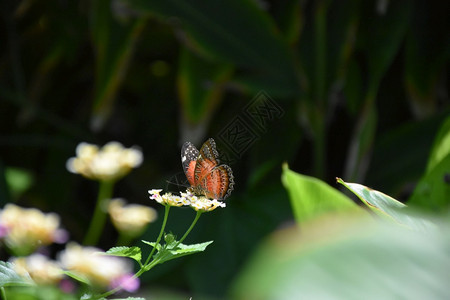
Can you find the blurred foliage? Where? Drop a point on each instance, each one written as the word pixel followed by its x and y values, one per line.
pixel 363 87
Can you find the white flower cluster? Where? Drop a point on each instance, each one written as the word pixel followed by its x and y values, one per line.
pixel 89 263
pixel 25 229
pixel 198 203
pixel 39 267
pixel 130 219
pixel 110 162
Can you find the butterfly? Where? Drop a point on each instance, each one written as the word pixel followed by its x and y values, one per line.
pixel 204 173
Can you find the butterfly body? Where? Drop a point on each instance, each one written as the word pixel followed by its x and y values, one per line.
pixel 205 175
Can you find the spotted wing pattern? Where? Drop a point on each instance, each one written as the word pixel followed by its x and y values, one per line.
pixel 189 155
pixel 204 173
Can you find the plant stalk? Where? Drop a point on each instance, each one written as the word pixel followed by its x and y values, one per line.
pixel 99 217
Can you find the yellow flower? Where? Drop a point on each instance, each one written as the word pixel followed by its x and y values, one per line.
pixel 131 219
pixel 111 162
pixel 41 269
pixel 25 229
pixel 88 263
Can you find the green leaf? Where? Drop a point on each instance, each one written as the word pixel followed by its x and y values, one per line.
pixel 18 180
pixel 9 277
pixel 170 253
pixel 129 298
pixel 131 252
pixel 441 147
pixel 158 246
pixel 311 197
pixel 387 206
pixel 350 260
pixel 432 193
pixel 78 277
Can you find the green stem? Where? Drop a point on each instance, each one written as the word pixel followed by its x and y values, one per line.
pixel 147 266
pixel 3 293
pixel 166 215
pixel 197 216
pixel 99 218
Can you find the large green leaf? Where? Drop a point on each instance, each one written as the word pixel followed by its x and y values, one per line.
pixel 387 206
pixel 234 31
pixel 433 190
pixel 310 197
pixel 9 277
pixel 432 193
pixel 352 259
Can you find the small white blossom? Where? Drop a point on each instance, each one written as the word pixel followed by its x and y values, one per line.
pixel 198 203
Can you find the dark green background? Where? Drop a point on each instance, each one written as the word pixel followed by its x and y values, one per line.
pixel 364 89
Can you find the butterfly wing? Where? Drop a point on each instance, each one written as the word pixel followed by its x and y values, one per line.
pixel 189 155
pixel 206 160
pixel 218 183
pixel 208 151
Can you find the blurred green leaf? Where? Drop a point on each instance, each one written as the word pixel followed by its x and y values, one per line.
pixel 9 277
pixel 380 38
pixel 238 32
pixel 360 148
pixel 426 55
pixel 342 29
pixel 362 260
pixel 400 155
pixel 441 146
pixel 311 197
pixel 382 35
pixel 387 206
pixel 129 298
pixel 18 180
pixel 200 86
pixel 289 16
pixel 432 193
pixel 131 252
pixel 77 276
pixel 39 292
pixel 114 44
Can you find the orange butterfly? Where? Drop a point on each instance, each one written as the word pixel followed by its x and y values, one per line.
pixel 204 173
